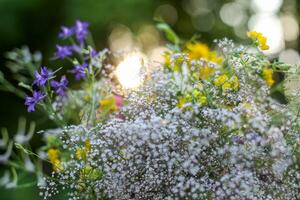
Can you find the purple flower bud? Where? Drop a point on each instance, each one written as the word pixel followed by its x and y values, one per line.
pixel 63 51
pixel 60 86
pixel 66 32
pixel 42 77
pixel 81 31
pixel 79 71
pixel 30 102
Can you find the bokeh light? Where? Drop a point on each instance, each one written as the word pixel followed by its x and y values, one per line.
pixel 128 71
pixel 290 27
pixel 267 6
pixel 290 56
pixel 233 14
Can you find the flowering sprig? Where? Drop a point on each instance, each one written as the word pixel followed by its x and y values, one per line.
pixel 61 86
pixel 36 98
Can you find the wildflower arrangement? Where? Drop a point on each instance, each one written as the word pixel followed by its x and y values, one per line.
pixel 204 125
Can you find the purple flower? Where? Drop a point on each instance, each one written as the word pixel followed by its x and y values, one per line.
pixel 91 54
pixel 60 86
pixel 79 71
pixel 76 48
pixel 42 77
pixel 63 51
pixel 81 31
pixel 66 32
pixel 30 102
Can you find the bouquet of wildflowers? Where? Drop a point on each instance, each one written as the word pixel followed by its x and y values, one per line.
pixel 204 125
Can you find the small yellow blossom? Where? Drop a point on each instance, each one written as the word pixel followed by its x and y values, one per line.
pixel 235 82
pixel 197 94
pixel 205 72
pixel 203 100
pixel 184 99
pixel 268 76
pixel 259 39
pixel 226 86
pixel 53 155
pixel 108 104
pixel 220 80
pixel 213 57
pixel 199 50
pixel 181 101
pixel 227 83
pixel 81 153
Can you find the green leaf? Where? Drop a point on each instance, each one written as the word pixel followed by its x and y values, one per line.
pixel 170 34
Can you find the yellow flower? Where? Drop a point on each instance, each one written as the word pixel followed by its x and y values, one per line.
pixel 108 104
pixel 53 155
pixel 200 98
pixel 57 165
pixel 203 100
pixel 226 83
pixel 227 86
pixel 205 72
pixel 82 153
pixel 220 80
pixel 268 76
pixel 181 102
pixel 235 82
pixel 197 50
pixel 200 50
pixel 213 57
pixel 259 39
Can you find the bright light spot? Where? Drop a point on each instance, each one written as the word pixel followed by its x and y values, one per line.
pixel 267 6
pixel 290 56
pixel 128 71
pixel 270 26
pixel 290 27
pixel 232 14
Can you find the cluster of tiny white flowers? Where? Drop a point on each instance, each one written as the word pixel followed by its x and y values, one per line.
pixel 151 149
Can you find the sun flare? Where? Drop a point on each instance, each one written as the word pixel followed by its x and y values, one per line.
pixel 128 71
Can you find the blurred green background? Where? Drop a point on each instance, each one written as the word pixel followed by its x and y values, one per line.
pixel 36 23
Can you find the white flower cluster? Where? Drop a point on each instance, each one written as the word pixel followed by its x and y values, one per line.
pixel 151 149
